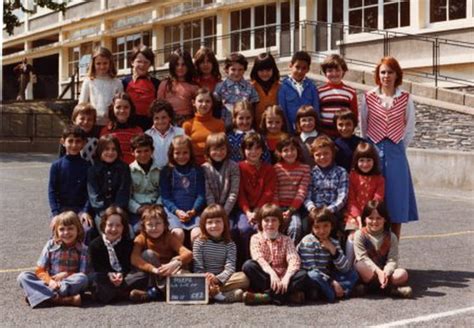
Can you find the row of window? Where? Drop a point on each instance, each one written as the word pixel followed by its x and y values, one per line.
pixel 256 27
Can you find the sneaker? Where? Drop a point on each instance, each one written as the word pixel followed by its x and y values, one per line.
pixel 359 290
pixel 74 300
pixel 233 296
pixel 297 297
pixel 139 296
pixel 256 298
pixel 403 292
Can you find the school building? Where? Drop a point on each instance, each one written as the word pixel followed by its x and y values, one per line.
pixel 433 39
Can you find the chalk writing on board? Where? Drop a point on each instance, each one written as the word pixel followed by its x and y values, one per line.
pixel 187 289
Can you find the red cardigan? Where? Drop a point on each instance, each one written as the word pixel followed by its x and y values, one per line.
pixel 257 185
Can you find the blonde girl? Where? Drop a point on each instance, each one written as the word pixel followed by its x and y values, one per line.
pixel 100 84
pixel 242 124
pixel 215 254
pixel 182 189
pixel 56 281
pixel 273 126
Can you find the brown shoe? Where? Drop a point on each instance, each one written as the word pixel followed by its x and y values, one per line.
pixel 74 300
pixel 297 298
pixel 139 296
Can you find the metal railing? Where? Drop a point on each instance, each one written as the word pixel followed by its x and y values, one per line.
pixel 322 38
pixel 73 85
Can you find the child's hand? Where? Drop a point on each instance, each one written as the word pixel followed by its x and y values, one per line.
pixel 329 246
pixel 182 215
pixel 337 289
pixel 382 277
pixel 284 284
pixel 59 276
pixel 287 215
pixel 191 214
pixel 251 217
pixel 115 278
pixel 212 279
pixel 275 283
pixel 86 219
pixel 170 268
pixel 54 285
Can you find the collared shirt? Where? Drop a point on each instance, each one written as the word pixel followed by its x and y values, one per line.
pixel 162 143
pixel 145 187
pixel 232 91
pixel 328 187
pixel 299 86
pixel 279 254
pixel 56 258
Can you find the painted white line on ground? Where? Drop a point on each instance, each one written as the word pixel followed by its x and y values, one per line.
pixel 428 317
pixel 17 270
pixel 449 234
pixel 34 166
pixel 448 194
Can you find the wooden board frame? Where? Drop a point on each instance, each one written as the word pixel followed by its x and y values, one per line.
pixel 188 275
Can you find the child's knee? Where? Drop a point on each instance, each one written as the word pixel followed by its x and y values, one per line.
pixel 178 233
pixel 400 276
pixel 195 233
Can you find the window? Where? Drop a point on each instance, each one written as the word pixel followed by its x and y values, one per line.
pixel 263 26
pixel 80 57
pixel 122 47
pixel 396 13
pixel 444 10
pixel 363 14
pixel 191 35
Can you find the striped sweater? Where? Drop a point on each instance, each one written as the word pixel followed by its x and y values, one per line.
pixel 332 98
pixel 217 257
pixel 292 184
pixel 315 257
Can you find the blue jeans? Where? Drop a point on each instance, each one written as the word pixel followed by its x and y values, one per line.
pixel 319 280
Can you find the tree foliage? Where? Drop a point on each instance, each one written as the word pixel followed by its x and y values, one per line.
pixel 10 20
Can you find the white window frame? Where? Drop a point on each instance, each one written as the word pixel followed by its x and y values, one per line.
pixel 126 52
pixel 468 5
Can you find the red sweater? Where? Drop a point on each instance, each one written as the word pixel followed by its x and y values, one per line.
pixel 363 188
pixel 124 135
pixel 292 184
pixel 257 185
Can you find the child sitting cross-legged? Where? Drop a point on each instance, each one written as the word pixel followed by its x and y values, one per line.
pixel 157 254
pixel 215 255
pixel 274 270
pixel 329 272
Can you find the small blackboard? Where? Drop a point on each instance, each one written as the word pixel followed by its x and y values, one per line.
pixel 189 288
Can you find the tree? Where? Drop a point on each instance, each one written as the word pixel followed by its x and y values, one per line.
pixel 11 20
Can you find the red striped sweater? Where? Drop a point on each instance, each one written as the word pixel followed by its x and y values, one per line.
pixel 292 184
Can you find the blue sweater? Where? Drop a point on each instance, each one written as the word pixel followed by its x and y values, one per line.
pixel 108 184
pixel 195 197
pixel 67 189
pixel 345 150
pixel 290 101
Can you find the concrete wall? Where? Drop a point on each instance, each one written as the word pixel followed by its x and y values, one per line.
pixel 432 169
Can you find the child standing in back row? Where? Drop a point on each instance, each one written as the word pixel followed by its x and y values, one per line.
pixel 335 95
pixel 346 143
pixel 265 78
pixel 179 88
pixel 141 86
pixel 207 69
pixel 297 90
pixel 101 84
pixel 234 88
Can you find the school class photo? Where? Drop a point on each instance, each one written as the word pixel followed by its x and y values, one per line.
pixel 260 187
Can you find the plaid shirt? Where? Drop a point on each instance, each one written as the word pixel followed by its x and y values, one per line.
pixel 279 254
pixel 328 187
pixel 56 258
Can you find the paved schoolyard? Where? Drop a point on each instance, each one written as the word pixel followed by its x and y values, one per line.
pixel 437 250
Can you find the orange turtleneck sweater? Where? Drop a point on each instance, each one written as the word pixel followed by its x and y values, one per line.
pixel 198 128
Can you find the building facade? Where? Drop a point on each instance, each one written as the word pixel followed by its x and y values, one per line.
pixel 425 35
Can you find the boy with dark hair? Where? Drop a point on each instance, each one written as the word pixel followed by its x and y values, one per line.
pixel 346 121
pixel 328 269
pixel 67 188
pixel 145 174
pixel 296 90
pixel 335 95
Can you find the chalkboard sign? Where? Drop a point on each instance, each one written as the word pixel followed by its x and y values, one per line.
pixel 189 288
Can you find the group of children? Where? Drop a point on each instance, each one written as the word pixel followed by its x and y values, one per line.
pixel 263 185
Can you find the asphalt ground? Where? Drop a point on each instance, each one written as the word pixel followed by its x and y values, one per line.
pixel 437 251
